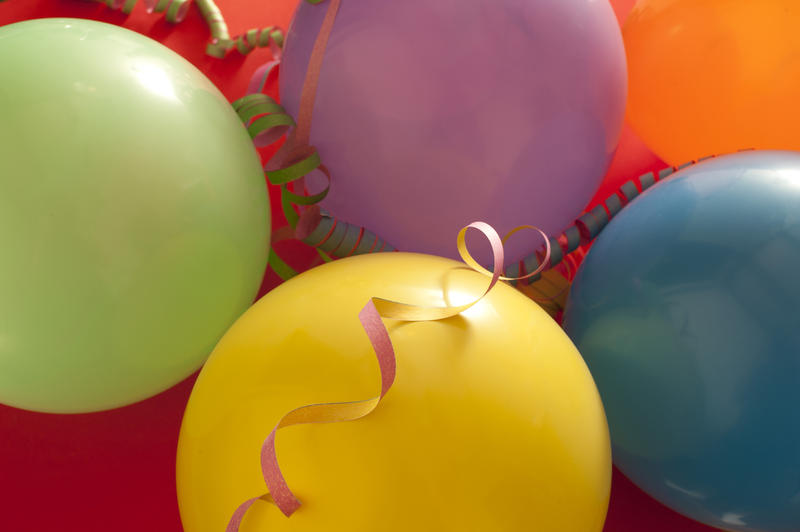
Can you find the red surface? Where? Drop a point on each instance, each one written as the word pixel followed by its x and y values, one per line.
pixel 622 8
pixel 632 159
pixel 114 471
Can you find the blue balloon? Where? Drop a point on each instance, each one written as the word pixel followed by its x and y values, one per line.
pixel 687 311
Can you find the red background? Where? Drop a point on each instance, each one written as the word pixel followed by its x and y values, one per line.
pixel 114 471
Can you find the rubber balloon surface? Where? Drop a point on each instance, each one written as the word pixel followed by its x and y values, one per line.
pixel 708 77
pixel 134 217
pixel 493 422
pixel 430 115
pixel 685 310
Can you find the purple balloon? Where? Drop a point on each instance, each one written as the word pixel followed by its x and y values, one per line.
pixel 431 114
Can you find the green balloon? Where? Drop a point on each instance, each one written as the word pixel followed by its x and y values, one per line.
pixel 134 216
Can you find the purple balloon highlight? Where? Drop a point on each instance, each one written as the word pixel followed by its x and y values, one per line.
pixel 433 113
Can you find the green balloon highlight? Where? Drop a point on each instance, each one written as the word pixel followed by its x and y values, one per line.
pixel 134 216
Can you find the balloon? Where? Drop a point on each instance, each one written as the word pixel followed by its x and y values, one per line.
pixel 493 422
pixel 133 216
pixel 83 457
pixel 739 93
pixel 432 114
pixel 686 313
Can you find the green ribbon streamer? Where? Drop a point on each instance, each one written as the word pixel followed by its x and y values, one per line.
pixel 281 269
pixel 221 40
pixel 264 117
pixel 175 9
pixel 295 171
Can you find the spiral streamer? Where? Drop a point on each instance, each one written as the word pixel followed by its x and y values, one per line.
pixel 221 40
pixel 371 320
pixel 589 225
pixel 175 10
pixel 339 239
pixel 267 122
pixel 296 159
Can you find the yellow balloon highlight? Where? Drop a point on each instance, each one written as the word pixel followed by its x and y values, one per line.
pixel 494 422
pixel 713 76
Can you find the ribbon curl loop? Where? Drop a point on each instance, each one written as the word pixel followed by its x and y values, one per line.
pixel 371 320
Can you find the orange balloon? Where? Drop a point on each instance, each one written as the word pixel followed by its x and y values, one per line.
pixel 714 76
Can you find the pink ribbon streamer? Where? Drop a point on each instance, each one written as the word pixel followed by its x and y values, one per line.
pixel 370 317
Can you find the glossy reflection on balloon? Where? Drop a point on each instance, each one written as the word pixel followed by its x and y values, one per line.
pixel 493 423
pixel 134 222
pixel 432 114
pixel 686 311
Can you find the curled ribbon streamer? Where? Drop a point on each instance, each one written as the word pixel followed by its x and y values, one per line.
pixel 339 239
pixel 308 93
pixel 552 285
pixel 549 292
pixel 267 121
pixel 371 320
pixel 259 78
pixel 588 226
pixel 176 10
pixel 276 262
pixel 222 42
pixel 549 289
pixel 296 159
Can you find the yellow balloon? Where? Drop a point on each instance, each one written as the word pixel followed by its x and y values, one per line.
pixel 493 424
pixel 708 77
